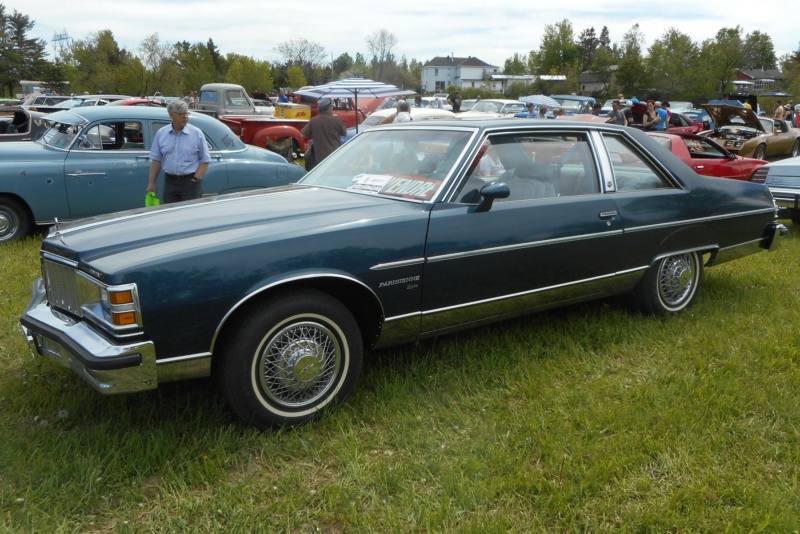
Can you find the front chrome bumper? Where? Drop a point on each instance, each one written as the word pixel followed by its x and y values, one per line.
pixel 109 367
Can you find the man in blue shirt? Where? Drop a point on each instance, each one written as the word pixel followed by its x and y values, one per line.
pixel 181 150
pixel 282 96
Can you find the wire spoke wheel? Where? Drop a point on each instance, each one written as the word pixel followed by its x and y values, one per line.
pixel 676 280
pixel 671 284
pixel 289 358
pixel 299 364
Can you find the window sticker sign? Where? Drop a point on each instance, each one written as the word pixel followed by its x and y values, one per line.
pixel 410 187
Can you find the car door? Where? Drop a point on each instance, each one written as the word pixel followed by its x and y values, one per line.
pixel 781 142
pixel 657 214
pixel 102 173
pixel 709 159
pixel 555 239
pixel 112 174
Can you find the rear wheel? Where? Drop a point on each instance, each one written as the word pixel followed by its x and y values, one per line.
pixel 761 152
pixel 290 359
pixel 671 284
pixel 796 148
pixel 15 223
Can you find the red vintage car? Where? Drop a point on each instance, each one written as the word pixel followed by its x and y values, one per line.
pixel 680 123
pixel 707 157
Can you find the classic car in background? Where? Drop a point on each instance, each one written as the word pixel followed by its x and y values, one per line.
pixel 680 123
pixel 706 157
pixel 783 179
pixel 45 101
pixel 574 104
pixel 77 101
pixel 152 102
pixel 21 124
pixel 497 105
pixel 95 160
pixel 397 236
pixel 740 130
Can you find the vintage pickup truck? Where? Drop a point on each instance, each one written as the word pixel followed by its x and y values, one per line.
pixel 219 99
pixel 277 128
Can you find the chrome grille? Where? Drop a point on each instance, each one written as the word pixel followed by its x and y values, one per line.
pixel 62 286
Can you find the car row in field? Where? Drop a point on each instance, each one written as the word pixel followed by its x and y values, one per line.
pixel 407 231
pixel 95 160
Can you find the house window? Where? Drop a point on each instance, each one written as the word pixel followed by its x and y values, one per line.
pixel 435 72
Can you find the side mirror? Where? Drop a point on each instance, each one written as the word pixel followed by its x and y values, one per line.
pixel 489 193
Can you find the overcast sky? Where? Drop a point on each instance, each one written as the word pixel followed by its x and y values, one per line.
pixel 490 31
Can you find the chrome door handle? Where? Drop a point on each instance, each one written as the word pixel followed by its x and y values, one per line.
pixel 607 214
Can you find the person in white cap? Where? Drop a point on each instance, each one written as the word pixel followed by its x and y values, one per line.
pixel 326 130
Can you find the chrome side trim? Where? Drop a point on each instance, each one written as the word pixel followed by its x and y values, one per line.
pixel 699 220
pixel 412 326
pixel 397 264
pixel 184 367
pixel 519 246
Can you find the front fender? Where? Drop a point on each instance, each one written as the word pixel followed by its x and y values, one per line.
pixel 277 133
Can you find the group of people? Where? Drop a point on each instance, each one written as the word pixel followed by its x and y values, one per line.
pixel 654 117
pixel 789 112
pixel 191 99
pixel 542 112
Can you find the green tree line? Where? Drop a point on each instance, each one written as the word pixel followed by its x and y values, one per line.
pixel 673 67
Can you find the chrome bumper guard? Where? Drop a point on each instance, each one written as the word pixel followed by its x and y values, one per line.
pixel 772 235
pixel 109 367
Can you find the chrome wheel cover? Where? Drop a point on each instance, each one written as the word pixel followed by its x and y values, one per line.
pixel 677 280
pixel 8 224
pixel 299 364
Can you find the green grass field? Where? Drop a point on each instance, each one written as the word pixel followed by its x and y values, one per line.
pixel 591 418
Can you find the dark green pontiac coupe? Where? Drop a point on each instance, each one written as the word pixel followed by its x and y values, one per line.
pixel 407 231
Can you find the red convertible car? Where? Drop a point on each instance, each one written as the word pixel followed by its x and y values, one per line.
pixel 707 157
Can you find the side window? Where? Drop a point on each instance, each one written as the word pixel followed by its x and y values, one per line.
pixel 533 166
pixel 702 149
pixel 111 136
pixel 632 172
pixel 132 136
pixel 156 126
pixel 235 98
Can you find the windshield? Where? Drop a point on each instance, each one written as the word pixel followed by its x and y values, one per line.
pixel 573 106
pixel 487 106
pixel 408 163
pixel 374 119
pixel 71 103
pixel 61 135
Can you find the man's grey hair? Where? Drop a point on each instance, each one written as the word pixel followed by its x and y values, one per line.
pixel 177 106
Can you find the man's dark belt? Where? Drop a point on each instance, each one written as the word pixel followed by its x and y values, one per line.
pixel 179 176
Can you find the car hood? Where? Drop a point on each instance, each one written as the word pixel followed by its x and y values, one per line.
pixel 25 151
pixel 723 115
pixel 118 242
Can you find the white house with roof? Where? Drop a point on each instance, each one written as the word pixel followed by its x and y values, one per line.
pixel 463 72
